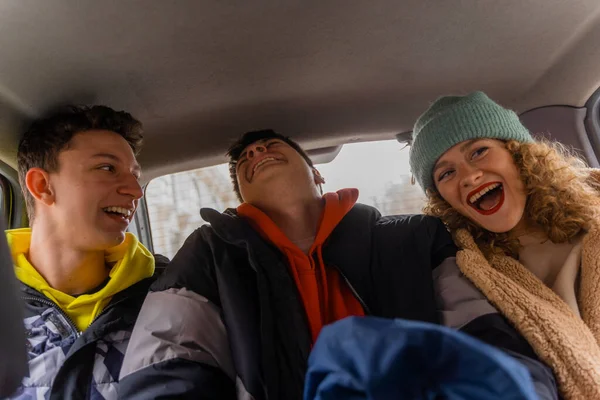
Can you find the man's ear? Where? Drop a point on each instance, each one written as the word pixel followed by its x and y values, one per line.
pixel 319 180
pixel 38 184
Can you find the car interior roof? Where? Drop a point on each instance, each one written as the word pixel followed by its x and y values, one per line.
pixel 198 74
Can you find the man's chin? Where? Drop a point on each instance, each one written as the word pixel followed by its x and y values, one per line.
pixel 109 239
pixel 117 238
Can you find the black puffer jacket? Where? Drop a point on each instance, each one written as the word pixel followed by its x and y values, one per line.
pixel 226 319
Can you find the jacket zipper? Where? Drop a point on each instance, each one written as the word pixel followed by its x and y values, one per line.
pixel 99 315
pixel 105 309
pixel 360 300
pixel 69 320
pixel 54 306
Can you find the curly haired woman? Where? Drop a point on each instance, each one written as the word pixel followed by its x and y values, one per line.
pixel 526 215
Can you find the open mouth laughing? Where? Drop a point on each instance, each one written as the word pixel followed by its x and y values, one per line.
pixel 487 198
pixel 120 213
pixel 260 163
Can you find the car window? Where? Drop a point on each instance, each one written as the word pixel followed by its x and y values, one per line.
pixel 4 198
pixel 2 206
pixel 379 170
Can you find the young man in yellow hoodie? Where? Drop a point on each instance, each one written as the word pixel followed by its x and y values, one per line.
pixel 83 276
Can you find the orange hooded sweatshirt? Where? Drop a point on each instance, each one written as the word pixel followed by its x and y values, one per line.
pixel 325 294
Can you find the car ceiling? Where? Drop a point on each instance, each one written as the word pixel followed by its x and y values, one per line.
pixel 200 73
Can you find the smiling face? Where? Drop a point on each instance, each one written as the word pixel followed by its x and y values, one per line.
pixel 93 194
pixel 273 165
pixel 480 180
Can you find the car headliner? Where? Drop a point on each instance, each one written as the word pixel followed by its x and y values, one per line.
pixel 200 73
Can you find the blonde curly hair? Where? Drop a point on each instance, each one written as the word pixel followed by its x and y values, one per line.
pixel 560 199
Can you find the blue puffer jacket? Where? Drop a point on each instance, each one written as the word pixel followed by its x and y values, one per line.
pixel 376 358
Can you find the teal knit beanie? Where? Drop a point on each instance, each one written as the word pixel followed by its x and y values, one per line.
pixel 454 119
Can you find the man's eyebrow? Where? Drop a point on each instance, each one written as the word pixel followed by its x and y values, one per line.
pixel 136 166
pixel 106 155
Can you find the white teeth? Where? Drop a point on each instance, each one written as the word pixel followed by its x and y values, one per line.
pixel 261 162
pixel 123 211
pixel 483 191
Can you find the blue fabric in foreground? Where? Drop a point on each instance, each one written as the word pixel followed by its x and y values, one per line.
pixel 361 358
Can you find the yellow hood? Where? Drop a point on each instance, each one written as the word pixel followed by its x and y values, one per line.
pixel 132 263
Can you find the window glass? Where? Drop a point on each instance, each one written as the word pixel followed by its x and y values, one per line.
pixel 4 200
pixel 379 170
pixel 2 205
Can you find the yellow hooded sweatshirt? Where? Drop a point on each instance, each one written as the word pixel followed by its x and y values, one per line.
pixel 132 263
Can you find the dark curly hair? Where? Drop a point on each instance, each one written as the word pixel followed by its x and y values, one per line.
pixel 48 136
